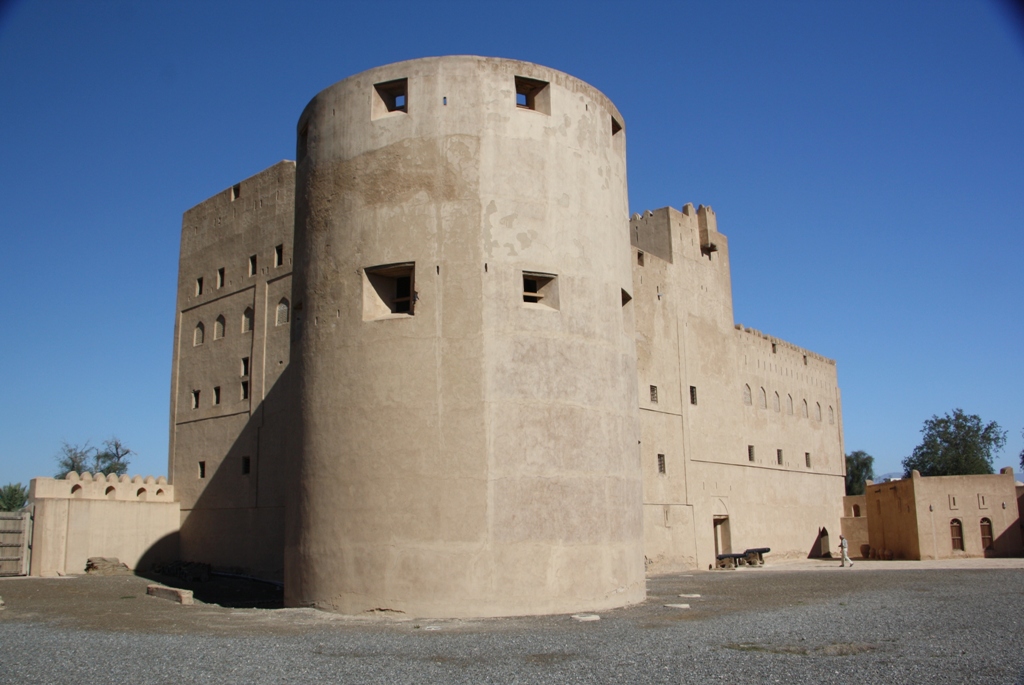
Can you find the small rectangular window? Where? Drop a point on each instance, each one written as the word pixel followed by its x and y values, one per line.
pixel 390 96
pixel 279 255
pixel 533 94
pixel 807 459
pixel 952 502
pixel 252 265
pixel 195 399
pixel 202 469
pixel 640 257
pixel 245 390
pixel 654 394
pixel 220 277
pixel 245 366
pixel 778 456
pixel 216 394
pixel 750 453
pixel 246 465
pixel 236 191
pixel 775 348
pixel 389 289
pixel 540 289
pixel 616 126
pixel 661 463
pixel 693 394
pixel 199 286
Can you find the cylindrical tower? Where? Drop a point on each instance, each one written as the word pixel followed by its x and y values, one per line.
pixel 464 346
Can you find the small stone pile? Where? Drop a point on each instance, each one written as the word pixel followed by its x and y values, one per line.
pixel 106 566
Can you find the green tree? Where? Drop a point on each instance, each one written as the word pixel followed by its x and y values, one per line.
pixel 955 445
pixel 73 458
pixel 13 496
pixel 860 467
pixel 113 458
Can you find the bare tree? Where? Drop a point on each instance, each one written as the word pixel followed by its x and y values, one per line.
pixel 73 458
pixel 113 458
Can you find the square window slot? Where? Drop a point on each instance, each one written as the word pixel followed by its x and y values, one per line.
pixel 533 94
pixel 390 97
pixel 389 290
pixel 540 289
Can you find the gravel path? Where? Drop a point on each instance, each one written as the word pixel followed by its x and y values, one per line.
pixel 829 625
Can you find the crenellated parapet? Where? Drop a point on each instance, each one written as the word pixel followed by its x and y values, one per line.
pixel 777 344
pixel 101 486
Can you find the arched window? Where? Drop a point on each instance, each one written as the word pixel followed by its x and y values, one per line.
pixel 817 411
pixel 763 398
pixel 775 402
pixel 282 311
pixel 831 415
pixel 986 534
pixel 200 333
pixel 856 510
pixel 110 492
pixel 956 532
pixel 805 409
pixel 218 328
pixel 789 404
pixel 247 320
pixel 746 395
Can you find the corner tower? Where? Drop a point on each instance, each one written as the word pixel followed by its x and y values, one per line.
pixel 463 346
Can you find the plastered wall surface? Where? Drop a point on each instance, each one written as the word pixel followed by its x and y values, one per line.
pixel 686 338
pixel 913 518
pixel 229 453
pixel 82 516
pixel 467 458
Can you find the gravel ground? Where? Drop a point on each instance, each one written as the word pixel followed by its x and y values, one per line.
pixel 829 625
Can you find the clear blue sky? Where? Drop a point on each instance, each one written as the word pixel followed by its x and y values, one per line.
pixel 865 159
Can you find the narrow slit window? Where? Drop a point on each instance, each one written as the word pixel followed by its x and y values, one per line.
pixel 220 277
pixel 252 265
pixel 693 394
pixel 279 255
pixel 533 94
pixel 778 456
pixel 389 289
pixel 199 286
pixel 195 399
pixel 391 96
pixel 236 191
pixel 245 390
pixel 639 257
pixel 807 459
pixel 245 366
pixel 654 394
pixel 540 288
pixel 216 394
pixel 661 463
pixel 246 466
pixel 202 469
pixel 750 453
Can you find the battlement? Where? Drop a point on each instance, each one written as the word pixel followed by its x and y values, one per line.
pixel 778 343
pixel 651 231
pixel 103 487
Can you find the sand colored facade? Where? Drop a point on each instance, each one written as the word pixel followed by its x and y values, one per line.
pixel 943 517
pixel 133 519
pixel 231 409
pixel 456 415
pixel 855 525
pixel 742 443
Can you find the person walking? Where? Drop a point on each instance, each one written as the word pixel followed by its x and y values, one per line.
pixel 844 545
